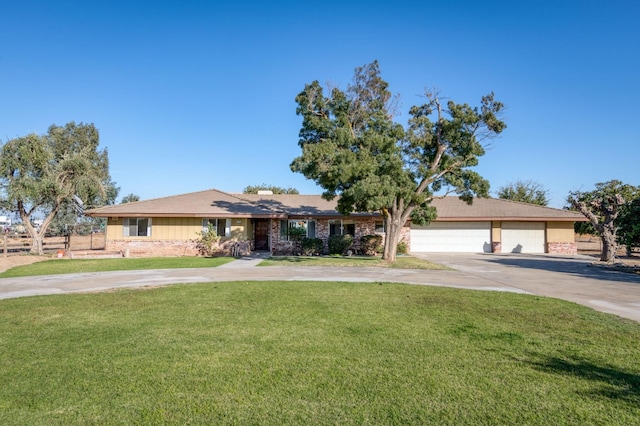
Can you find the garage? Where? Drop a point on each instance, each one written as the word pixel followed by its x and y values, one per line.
pixel 469 237
pixel 523 237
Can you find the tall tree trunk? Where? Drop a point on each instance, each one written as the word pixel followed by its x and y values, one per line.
pixel 392 237
pixel 609 247
pixel 36 237
pixel 37 246
pixel 391 244
pixel 606 228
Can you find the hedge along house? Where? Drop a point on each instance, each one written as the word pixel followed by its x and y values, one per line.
pixel 168 226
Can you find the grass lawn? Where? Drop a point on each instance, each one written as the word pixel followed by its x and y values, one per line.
pixel 314 353
pixel 71 266
pixel 402 262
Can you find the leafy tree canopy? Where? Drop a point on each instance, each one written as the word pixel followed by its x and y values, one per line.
pixel 130 198
pixel 44 175
pixel 353 148
pixel 629 224
pixel 264 187
pixel 525 192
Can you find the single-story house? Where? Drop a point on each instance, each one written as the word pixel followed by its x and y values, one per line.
pixel 168 226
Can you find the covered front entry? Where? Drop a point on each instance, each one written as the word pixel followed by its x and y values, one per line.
pixel 470 237
pixel 261 234
pixel 523 237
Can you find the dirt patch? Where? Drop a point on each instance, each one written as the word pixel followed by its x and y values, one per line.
pixel 630 264
pixel 18 260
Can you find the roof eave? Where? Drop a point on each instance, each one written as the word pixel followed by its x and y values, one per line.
pixel 509 218
pixel 197 215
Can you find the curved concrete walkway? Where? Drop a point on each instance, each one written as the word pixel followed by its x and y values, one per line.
pixel 570 278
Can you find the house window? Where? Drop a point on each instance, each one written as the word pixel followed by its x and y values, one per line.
pixel 221 226
pixel 380 227
pixel 308 225
pixel 342 227
pixel 136 227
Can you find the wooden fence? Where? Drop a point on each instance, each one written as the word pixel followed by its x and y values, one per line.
pixel 592 244
pixel 21 243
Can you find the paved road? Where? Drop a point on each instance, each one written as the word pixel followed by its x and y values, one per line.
pixel 568 278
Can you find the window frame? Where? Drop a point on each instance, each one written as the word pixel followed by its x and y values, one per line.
pixel 127 226
pixel 217 224
pixel 342 225
pixel 310 225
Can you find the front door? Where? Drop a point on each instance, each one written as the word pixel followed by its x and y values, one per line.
pixel 261 234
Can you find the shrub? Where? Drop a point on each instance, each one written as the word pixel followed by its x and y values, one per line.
pixel 297 234
pixel 338 244
pixel 370 244
pixel 207 241
pixel 402 247
pixel 311 246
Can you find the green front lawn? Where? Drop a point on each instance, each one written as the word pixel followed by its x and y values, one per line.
pixel 71 266
pixel 314 353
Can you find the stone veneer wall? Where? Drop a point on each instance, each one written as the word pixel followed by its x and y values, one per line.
pixel 562 248
pixel 140 248
pixel 168 248
pixel 405 235
pixel 365 226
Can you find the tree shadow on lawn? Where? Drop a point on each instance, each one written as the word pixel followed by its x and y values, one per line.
pixel 569 266
pixel 614 383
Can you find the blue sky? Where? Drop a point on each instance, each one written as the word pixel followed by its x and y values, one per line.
pixel 191 95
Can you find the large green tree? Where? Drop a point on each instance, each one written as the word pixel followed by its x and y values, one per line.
pixel 525 192
pixel 353 148
pixel 45 175
pixel 602 207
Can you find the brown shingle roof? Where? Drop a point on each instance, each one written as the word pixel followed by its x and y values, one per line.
pixel 298 205
pixel 454 209
pixel 214 203
pixel 209 203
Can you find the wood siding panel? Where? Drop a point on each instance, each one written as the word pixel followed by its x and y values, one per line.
pixel 560 232
pixel 162 228
pixel 496 234
pixel 114 229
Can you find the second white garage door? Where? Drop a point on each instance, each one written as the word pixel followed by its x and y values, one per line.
pixel 470 237
pixel 523 237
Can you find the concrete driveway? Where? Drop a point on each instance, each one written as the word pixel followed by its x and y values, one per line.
pixel 573 278
pixel 563 277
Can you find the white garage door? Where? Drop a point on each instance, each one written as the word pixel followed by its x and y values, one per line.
pixel 523 237
pixel 471 237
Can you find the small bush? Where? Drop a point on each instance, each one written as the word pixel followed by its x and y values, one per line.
pixel 402 247
pixel 312 246
pixel 370 244
pixel 207 241
pixel 338 244
pixel 297 234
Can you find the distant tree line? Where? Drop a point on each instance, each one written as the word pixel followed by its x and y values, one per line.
pixel 253 189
